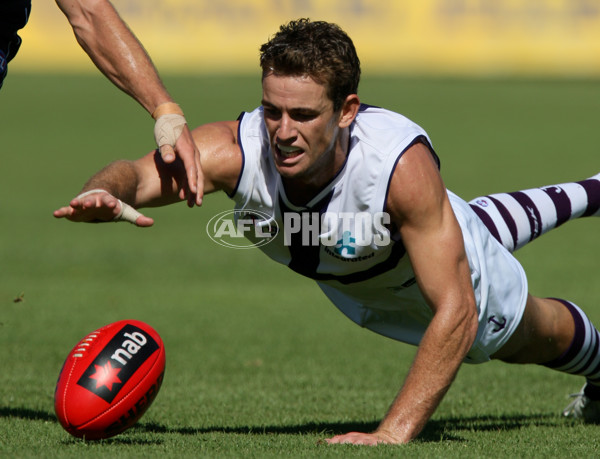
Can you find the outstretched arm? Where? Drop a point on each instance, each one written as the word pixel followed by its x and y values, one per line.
pixel 107 194
pixel 123 186
pixel 419 206
pixel 120 56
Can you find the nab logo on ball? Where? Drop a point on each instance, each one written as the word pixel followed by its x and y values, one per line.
pixel 117 362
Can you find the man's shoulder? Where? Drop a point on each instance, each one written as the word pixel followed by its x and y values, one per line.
pixel 216 134
pixel 252 118
pixel 375 112
pixel 387 125
pixel 252 133
pixel 382 136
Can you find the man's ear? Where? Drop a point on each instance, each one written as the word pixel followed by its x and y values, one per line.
pixel 349 110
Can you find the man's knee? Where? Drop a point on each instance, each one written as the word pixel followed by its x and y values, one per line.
pixel 545 333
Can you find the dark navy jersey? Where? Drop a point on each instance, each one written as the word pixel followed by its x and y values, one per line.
pixel 13 17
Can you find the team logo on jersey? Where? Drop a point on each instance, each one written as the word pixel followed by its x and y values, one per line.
pixel 242 229
pixel 345 249
pixel 346 245
pixel 499 324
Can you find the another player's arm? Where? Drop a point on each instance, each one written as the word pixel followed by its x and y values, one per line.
pixel 158 183
pixel 119 55
pixel 115 50
pixel 150 182
pixel 419 206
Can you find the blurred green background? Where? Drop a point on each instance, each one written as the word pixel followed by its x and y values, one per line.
pixel 259 364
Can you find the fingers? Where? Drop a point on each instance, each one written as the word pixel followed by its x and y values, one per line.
pixel 167 152
pixel 175 139
pixel 131 215
pixel 100 206
pixel 144 222
pixel 195 180
pixel 355 438
pixel 190 156
pixel 89 209
pixel 63 212
pixel 96 200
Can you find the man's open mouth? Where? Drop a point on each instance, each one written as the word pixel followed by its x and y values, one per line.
pixel 288 151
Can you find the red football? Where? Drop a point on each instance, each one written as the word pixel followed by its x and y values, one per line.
pixel 109 379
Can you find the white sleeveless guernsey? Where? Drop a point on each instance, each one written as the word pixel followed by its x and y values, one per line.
pixel 344 246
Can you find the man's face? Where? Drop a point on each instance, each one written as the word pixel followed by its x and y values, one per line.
pixel 303 129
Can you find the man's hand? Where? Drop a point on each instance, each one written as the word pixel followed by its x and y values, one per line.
pixel 101 206
pixel 359 438
pixel 174 138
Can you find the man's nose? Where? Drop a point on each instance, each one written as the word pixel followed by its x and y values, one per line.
pixel 286 130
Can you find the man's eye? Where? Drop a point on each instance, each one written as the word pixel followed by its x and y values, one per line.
pixel 304 116
pixel 271 113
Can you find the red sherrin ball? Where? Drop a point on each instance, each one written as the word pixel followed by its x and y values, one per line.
pixel 109 380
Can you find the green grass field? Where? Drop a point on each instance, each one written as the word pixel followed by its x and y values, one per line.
pixel 259 364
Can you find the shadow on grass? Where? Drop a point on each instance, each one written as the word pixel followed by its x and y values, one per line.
pixel 436 430
pixel 117 440
pixel 39 415
pixel 26 413
pixel 444 429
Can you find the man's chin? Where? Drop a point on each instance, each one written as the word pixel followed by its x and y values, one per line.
pixel 286 172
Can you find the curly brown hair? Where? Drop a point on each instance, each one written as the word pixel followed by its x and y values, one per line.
pixel 319 49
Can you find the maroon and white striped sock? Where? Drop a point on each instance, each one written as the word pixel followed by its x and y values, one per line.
pixel 583 356
pixel 517 218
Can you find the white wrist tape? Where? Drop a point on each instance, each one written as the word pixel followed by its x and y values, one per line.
pixel 87 193
pixel 168 128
